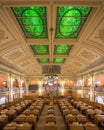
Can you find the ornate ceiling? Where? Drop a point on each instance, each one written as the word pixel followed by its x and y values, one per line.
pixel 38 33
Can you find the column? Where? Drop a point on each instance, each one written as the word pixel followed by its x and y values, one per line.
pixel 20 86
pixel 74 90
pixel 62 88
pixel 27 87
pixel 82 87
pixel 92 87
pixel 40 88
pixel 10 87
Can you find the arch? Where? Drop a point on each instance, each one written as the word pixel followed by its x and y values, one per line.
pixel 33 82
pixel 3 81
pixel 99 81
pixel 15 83
pixel 23 84
pixel 69 83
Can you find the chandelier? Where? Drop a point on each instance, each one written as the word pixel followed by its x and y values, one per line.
pixel 51 74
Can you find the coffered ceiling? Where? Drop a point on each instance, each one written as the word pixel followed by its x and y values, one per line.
pixel 38 33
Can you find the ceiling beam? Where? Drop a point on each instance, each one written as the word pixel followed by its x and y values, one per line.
pixel 65 41
pixel 37 41
pixel 92 3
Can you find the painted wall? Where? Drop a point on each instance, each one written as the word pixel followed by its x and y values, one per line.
pixel 3 81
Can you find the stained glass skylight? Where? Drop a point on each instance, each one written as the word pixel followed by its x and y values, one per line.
pixel 59 60
pixel 70 20
pixel 62 49
pixel 40 49
pixel 43 60
pixel 32 20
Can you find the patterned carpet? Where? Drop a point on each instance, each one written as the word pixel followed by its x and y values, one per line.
pixel 59 119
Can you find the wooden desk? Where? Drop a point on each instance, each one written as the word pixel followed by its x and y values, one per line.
pixel 51 118
pixel 81 119
pixel 50 126
pixel 65 112
pixel 98 119
pixel 74 112
pixel 70 118
pixel 24 126
pixel 31 119
pixel 91 126
pixel 76 127
pixel 3 120
pixel 13 126
pixel 90 113
pixel 50 112
pixel 10 128
pixel 21 118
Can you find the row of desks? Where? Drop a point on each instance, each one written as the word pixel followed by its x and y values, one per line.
pixel 77 126
pixel 28 119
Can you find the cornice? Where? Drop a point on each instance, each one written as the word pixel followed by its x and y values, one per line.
pixel 10 68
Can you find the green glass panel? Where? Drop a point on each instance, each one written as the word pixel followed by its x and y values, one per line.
pixel 59 60
pixel 43 60
pixel 40 49
pixel 70 20
pixel 32 20
pixel 62 49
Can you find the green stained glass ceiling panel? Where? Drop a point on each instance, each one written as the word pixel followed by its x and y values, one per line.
pixel 43 60
pixel 70 20
pixel 59 60
pixel 40 49
pixel 62 49
pixel 32 21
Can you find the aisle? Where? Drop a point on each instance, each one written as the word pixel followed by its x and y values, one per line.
pixel 42 119
pixel 59 119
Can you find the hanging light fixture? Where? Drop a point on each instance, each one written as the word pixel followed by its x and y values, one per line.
pixel 51 75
